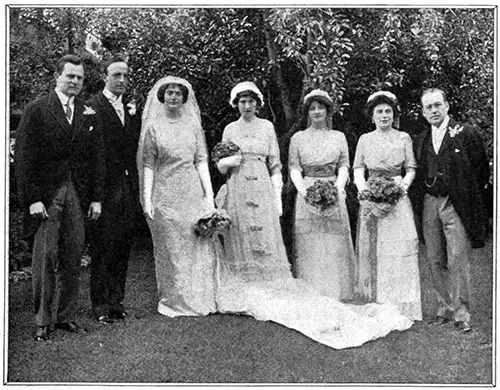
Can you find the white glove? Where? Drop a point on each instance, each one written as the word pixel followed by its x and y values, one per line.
pixel 298 182
pixel 277 182
pixel 340 189
pixel 148 209
pixel 147 194
pixel 209 201
pixel 226 163
pixel 400 182
pixel 279 205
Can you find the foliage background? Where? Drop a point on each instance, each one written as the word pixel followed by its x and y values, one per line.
pixel 350 52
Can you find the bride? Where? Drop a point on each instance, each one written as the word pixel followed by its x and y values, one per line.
pixel 175 190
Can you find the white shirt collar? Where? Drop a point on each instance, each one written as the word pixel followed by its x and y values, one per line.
pixel 65 98
pixel 444 125
pixel 111 96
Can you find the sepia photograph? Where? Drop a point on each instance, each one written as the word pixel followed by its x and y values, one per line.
pixel 250 195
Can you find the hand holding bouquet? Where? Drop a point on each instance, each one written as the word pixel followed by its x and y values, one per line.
pixel 322 196
pixel 380 196
pixel 213 223
pixel 224 149
pixel 226 155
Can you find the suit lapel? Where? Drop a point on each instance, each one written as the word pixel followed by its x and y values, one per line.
pixel 109 110
pixel 446 141
pixel 56 110
pixel 422 144
pixel 77 117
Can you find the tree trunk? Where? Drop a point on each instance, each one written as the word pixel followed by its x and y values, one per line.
pixel 280 79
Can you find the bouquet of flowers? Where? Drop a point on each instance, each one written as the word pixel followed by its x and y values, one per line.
pixel 224 149
pixel 381 196
pixel 213 223
pixel 322 196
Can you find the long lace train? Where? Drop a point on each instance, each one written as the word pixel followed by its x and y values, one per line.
pixel 296 305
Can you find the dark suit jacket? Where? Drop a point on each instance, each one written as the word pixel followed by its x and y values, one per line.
pixel 49 150
pixel 120 145
pixel 468 174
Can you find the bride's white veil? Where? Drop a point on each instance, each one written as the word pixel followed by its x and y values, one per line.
pixel 154 112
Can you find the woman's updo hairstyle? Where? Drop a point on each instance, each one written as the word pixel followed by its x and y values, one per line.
pixel 320 96
pixel 383 97
pixel 246 89
pixel 248 93
pixel 161 92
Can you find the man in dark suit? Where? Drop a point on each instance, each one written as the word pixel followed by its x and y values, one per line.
pixel 59 161
pixel 111 237
pixel 453 169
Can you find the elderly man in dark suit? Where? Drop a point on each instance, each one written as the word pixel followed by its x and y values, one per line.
pixel 453 169
pixel 111 237
pixel 59 161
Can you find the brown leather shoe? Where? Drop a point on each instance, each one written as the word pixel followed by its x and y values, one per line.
pixel 440 320
pixel 42 333
pixel 70 327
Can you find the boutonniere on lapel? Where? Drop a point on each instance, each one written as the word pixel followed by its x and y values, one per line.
pixel 131 108
pixel 88 110
pixel 457 129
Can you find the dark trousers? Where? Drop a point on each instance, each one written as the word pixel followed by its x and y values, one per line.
pixel 57 251
pixel 111 239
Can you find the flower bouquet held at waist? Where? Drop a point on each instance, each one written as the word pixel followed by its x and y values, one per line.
pixel 322 197
pixel 381 196
pixel 213 223
pixel 224 149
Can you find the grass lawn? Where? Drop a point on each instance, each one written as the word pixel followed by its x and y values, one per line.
pixel 150 348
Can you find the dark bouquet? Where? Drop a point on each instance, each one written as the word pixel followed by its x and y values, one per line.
pixel 224 149
pixel 213 223
pixel 381 196
pixel 322 196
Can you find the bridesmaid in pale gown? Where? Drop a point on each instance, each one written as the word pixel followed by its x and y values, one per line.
pixel 175 191
pixel 387 247
pixel 324 254
pixel 254 244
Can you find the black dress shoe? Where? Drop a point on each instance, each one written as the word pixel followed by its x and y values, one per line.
pixel 440 320
pixel 118 314
pixel 464 326
pixel 70 327
pixel 467 328
pixel 42 333
pixel 105 320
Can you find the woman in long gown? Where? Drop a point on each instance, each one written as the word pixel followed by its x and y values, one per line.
pixel 253 274
pixel 387 246
pixel 175 191
pixel 254 246
pixel 324 254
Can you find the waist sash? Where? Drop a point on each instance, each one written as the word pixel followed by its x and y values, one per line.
pixel 383 173
pixel 324 170
pixel 253 156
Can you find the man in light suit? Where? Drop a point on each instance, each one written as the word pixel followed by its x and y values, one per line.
pixel 111 237
pixel 452 171
pixel 59 160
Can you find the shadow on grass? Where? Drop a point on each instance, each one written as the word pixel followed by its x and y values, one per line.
pixel 150 348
